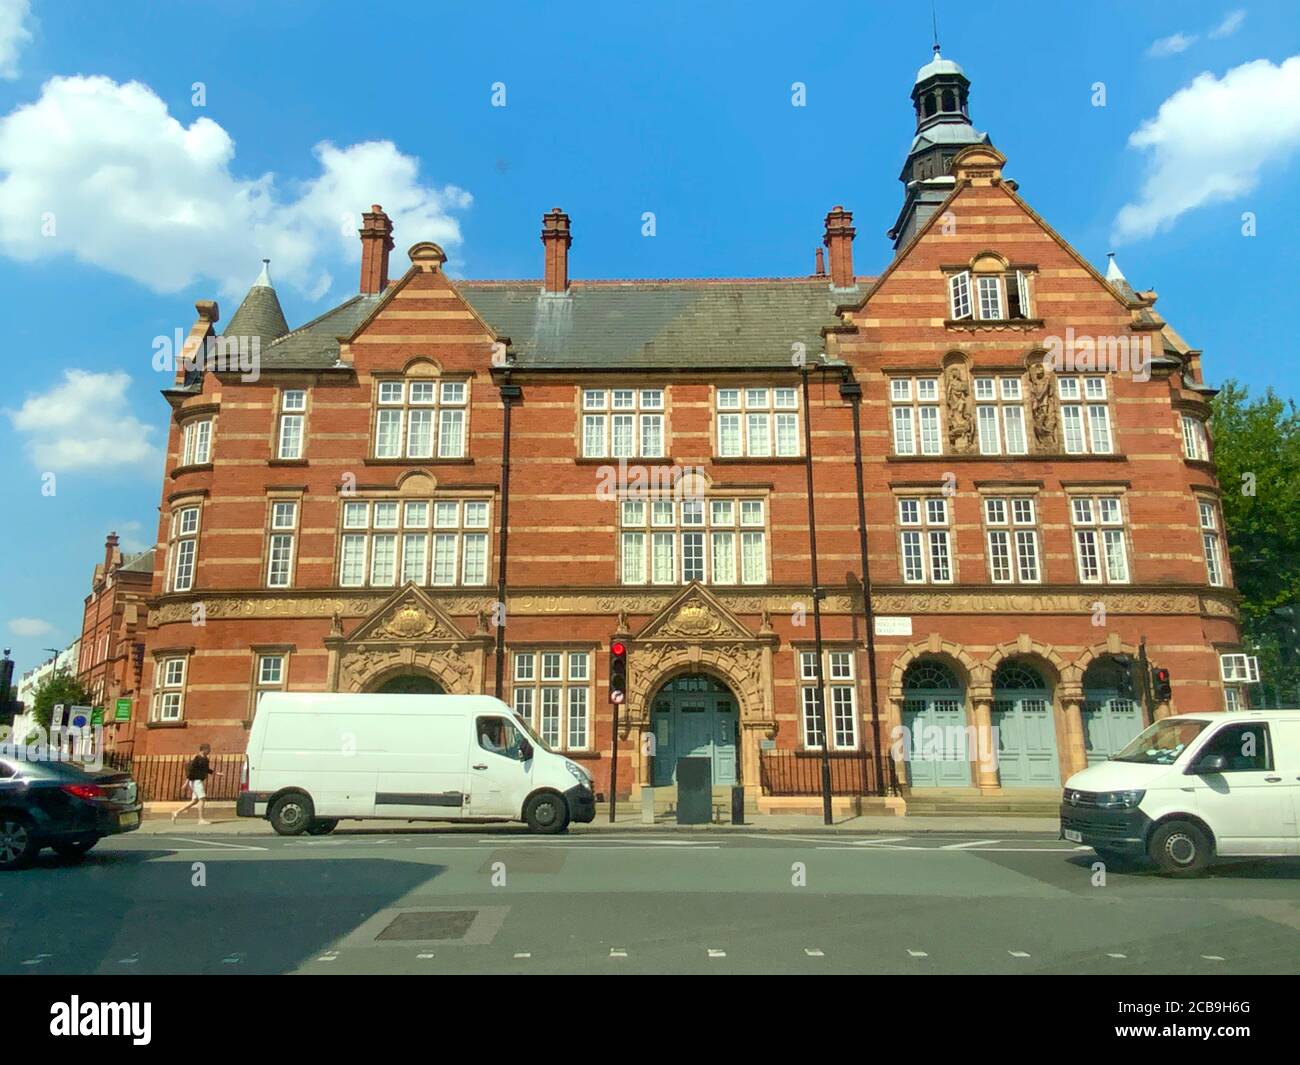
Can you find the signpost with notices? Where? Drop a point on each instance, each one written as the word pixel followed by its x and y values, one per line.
pixel 122 710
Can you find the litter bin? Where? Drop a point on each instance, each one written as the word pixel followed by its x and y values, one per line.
pixel 694 791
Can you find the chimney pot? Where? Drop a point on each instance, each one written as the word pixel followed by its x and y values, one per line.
pixel 839 241
pixel 556 239
pixel 820 271
pixel 376 242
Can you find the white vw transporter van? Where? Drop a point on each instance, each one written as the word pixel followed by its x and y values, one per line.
pixel 316 758
pixel 1193 788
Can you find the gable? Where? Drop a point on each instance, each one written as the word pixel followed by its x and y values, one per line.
pixel 695 614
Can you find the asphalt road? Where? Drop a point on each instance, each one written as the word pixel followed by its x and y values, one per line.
pixel 492 900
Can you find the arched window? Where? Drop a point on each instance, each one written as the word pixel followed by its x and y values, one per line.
pixel 1016 676
pixel 929 675
pixel 931 105
pixel 949 100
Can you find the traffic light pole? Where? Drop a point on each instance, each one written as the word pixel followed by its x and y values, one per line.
pixel 1144 679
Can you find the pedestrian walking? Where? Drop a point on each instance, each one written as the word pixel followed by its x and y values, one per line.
pixel 196 776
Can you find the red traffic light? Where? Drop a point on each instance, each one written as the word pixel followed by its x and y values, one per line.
pixel 618 648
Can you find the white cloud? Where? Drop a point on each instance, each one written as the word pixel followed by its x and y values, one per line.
pixel 132 190
pixel 30 627
pixel 1171 45
pixel 85 422
pixel 1231 24
pixel 14 33
pixel 1210 141
pixel 131 536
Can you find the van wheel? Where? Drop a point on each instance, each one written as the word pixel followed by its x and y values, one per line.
pixel 322 826
pixel 17 844
pixel 290 814
pixel 1179 848
pixel 547 813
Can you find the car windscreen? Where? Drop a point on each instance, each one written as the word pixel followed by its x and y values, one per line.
pixel 1162 743
pixel 527 730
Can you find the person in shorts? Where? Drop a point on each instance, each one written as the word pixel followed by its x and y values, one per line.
pixel 196 777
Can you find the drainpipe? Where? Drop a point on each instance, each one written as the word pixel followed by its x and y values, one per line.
pixel 851 390
pixel 510 394
pixel 827 817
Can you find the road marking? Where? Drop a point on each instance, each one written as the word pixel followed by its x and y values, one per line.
pixel 524 954
pixel 214 843
pixel 129 961
pixel 329 955
pixel 425 954
pixel 617 952
pixel 1017 953
pixel 1211 957
pixel 917 953
pixel 968 843
pixel 717 953
pixel 38 959
pixel 813 952
pixel 234 959
pixel 1117 955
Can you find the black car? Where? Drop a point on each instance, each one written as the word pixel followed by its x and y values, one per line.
pixel 62 806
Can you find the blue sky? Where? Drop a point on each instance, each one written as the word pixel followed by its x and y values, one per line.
pixel 122 203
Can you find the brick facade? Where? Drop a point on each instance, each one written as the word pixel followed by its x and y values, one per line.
pixel 568 588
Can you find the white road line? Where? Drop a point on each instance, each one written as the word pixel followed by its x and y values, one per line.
pixel 524 954
pixel 968 843
pixel 234 959
pixel 425 954
pixel 1211 957
pixel 1117 955
pixel 617 952
pixel 329 955
pixel 129 961
pixel 813 952
pixel 717 953
pixel 917 953
pixel 1017 953
pixel 214 843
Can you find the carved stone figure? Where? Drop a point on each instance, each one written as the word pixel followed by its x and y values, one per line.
pixel 961 422
pixel 1042 405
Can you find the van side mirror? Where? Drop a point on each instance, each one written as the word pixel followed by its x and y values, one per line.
pixel 525 751
pixel 1211 763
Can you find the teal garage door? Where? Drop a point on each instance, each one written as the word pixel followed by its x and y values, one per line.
pixel 695 717
pixel 934 715
pixel 1026 728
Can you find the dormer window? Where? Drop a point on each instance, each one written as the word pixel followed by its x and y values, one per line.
pixel 997 297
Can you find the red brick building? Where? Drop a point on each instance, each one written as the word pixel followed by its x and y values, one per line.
pixel 1038 498
pixel 111 660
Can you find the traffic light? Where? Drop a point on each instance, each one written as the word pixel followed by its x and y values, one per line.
pixel 617 671
pixel 1161 686
pixel 1124 679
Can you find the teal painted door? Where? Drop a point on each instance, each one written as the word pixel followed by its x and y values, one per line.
pixel 936 731
pixel 1109 722
pixel 1026 741
pixel 695 717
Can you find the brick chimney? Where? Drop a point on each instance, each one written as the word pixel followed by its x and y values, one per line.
pixel 839 240
pixel 376 243
pixel 555 242
pixel 820 270
pixel 110 551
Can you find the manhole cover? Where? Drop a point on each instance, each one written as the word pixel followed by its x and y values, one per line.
pixel 433 924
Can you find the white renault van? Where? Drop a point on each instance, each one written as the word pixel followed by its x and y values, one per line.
pixel 316 758
pixel 1193 788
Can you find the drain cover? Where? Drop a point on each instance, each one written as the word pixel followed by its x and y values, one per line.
pixel 429 925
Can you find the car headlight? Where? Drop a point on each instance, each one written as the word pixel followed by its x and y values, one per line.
pixel 1125 799
pixel 579 774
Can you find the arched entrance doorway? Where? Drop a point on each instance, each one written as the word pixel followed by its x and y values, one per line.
pixel 410 684
pixel 1022 714
pixel 1110 719
pixel 934 714
pixel 695 716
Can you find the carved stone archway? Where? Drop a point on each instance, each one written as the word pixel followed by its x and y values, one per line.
pixel 407 633
pixel 695 633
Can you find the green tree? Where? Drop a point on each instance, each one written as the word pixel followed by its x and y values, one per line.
pixel 1257 452
pixel 61 686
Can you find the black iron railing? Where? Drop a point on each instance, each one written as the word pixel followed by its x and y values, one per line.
pixel 786 772
pixel 161 777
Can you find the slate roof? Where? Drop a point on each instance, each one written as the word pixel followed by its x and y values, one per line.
pixel 259 315
pixel 607 324
pixel 139 563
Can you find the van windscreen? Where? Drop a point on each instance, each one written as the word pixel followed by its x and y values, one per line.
pixel 1161 743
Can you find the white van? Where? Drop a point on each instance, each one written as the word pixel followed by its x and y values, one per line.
pixel 316 758
pixel 1193 788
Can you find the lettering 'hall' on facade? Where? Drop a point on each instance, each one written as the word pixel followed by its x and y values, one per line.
pixel 346 519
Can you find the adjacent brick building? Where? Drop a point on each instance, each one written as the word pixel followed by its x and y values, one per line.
pixel 110 663
pixel 348 520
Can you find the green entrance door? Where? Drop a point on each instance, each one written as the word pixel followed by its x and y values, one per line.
pixel 1026 729
pixel 1110 719
pixel 695 717
pixel 934 715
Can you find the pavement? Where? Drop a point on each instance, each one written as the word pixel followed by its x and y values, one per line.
pixel 225 822
pixel 496 899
